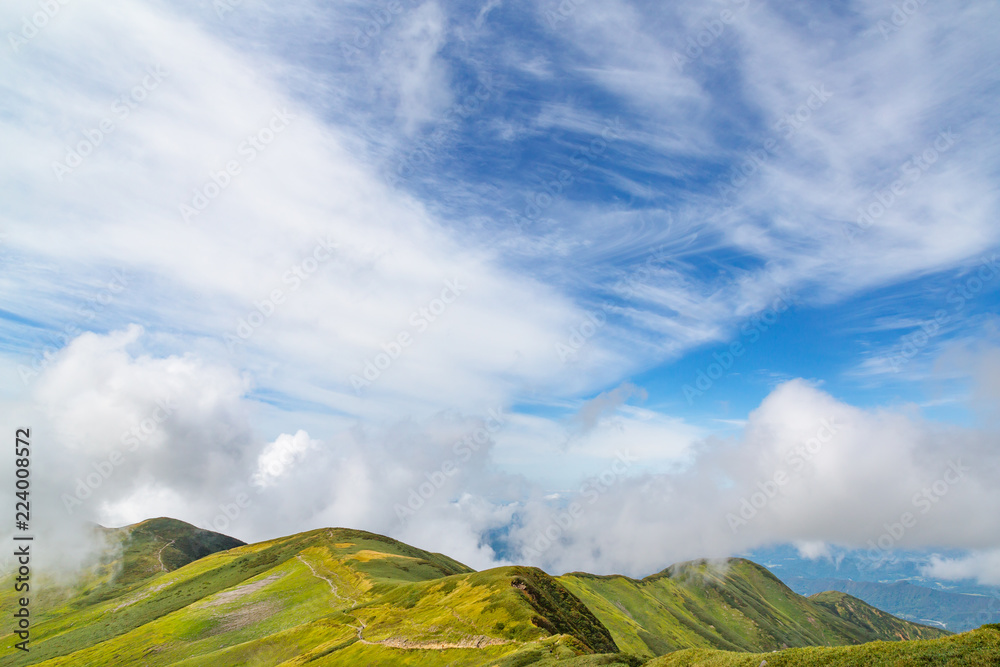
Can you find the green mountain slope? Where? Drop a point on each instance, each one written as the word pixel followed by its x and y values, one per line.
pixel 978 648
pixel 131 555
pixel 326 597
pixel 346 597
pixel 881 625
pixel 158 545
pixel 737 605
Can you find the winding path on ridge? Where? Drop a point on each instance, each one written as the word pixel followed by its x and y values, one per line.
pixel 476 641
pixel 333 587
pixel 159 554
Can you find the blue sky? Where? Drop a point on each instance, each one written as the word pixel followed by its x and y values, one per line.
pixel 340 251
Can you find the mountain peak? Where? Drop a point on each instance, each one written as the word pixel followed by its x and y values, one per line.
pixel 339 596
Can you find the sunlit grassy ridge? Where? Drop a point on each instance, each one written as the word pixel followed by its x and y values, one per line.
pixel 325 597
pixel 735 605
pixel 978 648
pixel 347 597
pixel 881 624
pixel 128 558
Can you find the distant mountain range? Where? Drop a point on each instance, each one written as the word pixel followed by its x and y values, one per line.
pixel 952 611
pixel 170 594
pixel 895 584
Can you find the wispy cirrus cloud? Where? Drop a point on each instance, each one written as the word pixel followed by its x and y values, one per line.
pixel 554 168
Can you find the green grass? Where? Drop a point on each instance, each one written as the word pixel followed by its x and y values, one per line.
pixel 978 648
pixel 133 555
pixel 736 605
pixel 299 600
pixel 880 624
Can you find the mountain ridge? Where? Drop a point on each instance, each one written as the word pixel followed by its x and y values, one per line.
pixel 954 611
pixel 337 596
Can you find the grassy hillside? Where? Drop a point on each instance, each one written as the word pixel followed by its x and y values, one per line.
pixel 978 648
pixel 130 556
pixel 326 597
pixel 737 606
pixel 148 548
pixel 335 597
pixel 880 624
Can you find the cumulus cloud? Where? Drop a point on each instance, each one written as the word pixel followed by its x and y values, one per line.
pixel 814 550
pixel 807 469
pixel 138 434
pixel 280 455
pixel 345 343
pixel 983 566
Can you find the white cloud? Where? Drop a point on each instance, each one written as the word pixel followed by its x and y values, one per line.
pixel 279 456
pixel 831 462
pixel 807 468
pixel 814 550
pixel 244 263
pixel 128 429
pixel 101 397
pixel 422 85
pixel 983 566
pixel 392 259
pixel 881 103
